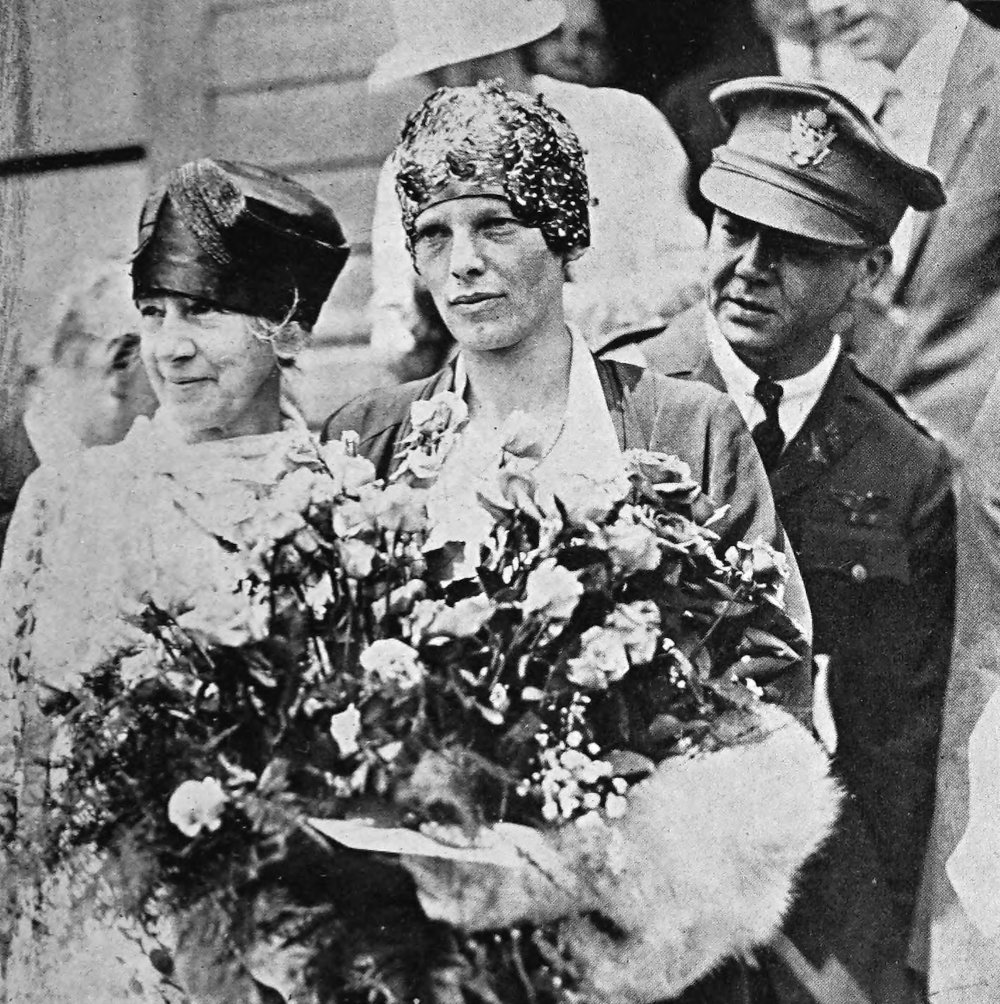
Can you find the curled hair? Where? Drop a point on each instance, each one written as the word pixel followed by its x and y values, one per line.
pixel 287 337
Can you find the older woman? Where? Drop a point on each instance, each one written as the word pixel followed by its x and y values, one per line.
pixel 233 265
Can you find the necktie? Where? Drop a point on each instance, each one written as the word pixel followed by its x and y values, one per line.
pixel 767 434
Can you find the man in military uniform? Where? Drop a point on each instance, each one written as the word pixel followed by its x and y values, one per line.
pixel 807 195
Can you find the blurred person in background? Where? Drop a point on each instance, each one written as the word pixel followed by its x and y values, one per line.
pixel 646 239
pixel 90 386
pixel 788 43
pixel 578 50
pixel 931 335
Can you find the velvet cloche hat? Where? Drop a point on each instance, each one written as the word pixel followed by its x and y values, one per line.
pixel 242 237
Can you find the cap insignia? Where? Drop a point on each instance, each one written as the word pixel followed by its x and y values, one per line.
pixel 809 138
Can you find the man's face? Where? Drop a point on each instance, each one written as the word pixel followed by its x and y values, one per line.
pixel 577 50
pixel 884 30
pixel 494 280
pixel 792 19
pixel 775 295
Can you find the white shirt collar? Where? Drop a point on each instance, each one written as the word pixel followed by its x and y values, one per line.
pixel 588 443
pixel 800 393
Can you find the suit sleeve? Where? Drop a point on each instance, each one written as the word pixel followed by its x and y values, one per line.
pixel 959 955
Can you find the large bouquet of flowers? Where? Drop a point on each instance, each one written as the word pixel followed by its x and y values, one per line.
pixel 368 765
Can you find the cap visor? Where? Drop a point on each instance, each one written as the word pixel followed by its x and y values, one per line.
pixel 779 208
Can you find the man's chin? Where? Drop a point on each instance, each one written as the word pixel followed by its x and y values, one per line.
pixel 752 343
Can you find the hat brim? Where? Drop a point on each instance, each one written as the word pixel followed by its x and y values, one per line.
pixel 779 208
pixel 515 27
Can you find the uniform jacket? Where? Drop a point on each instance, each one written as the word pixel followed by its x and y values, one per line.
pixel 865 496
pixel 944 360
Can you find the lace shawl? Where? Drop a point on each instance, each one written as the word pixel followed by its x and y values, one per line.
pixel 90 540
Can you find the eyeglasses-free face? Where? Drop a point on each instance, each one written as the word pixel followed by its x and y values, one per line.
pixel 214 375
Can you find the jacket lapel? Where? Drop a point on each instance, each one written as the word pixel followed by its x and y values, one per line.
pixel 960 118
pixel 832 428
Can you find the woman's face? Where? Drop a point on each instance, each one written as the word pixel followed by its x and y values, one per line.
pixel 212 375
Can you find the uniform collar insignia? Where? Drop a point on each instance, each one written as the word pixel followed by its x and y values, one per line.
pixel 809 138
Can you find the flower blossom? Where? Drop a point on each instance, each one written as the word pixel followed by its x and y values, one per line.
pixel 356 556
pixel 345 727
pixel 352 517
pixel 444 412
pixel 400 509
pixel 663 472
pixel 424 462
pixel 552 591
pixel 760 564
pixel 602 660
pixel 638 626
pixel 391 661
pixel 197 805
pixel 631 546
pixel 350 473
pixel 588 501
pixel 435 618
pixel 230 619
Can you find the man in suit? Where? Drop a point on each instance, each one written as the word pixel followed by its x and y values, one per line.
pixel 933 338
pixel 807 195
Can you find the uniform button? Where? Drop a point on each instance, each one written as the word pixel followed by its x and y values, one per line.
pixel 859 573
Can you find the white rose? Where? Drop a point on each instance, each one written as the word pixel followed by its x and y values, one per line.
pixel 350 473
pixel 632 546
pixel 443 412
pixel 356 556
pixel 400 509
pixel 197 805
pixel 462 620
pixel 392 661
pixel 603 660
pixel 552 591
